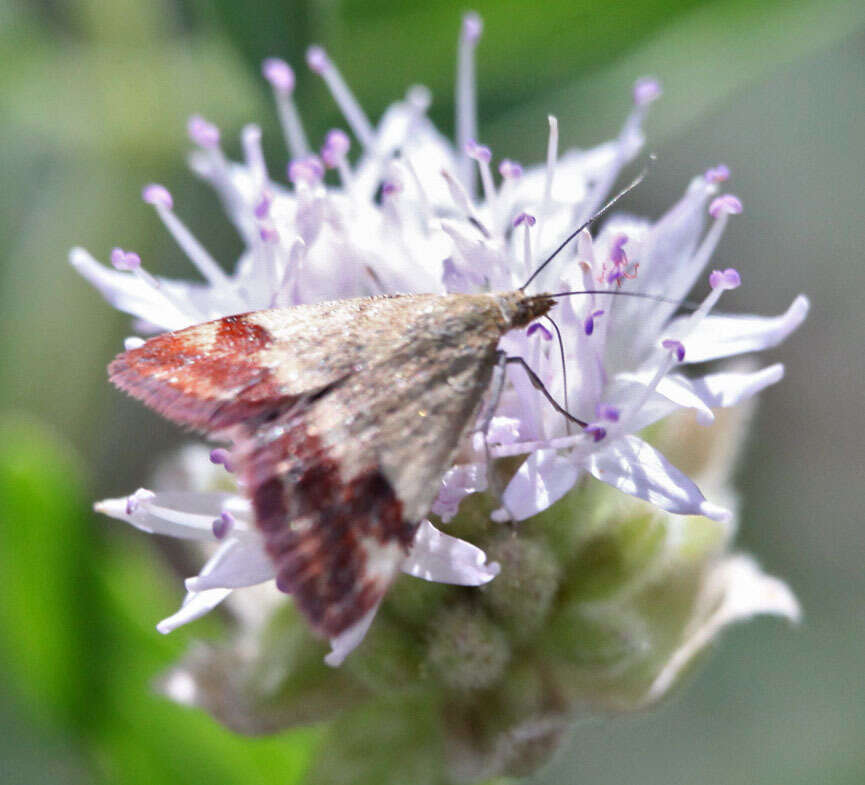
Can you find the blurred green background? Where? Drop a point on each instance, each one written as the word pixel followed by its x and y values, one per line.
pixel 93 100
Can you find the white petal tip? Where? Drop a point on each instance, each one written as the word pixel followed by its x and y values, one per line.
pixel 790 609
pixel 800 307
pixel 78 256
pixel 334 659
pixel 133 342
pixel 751 592
pixel 715 512
pixel 493 569
pixel 705 418
pixel 181 687
pixel 164 627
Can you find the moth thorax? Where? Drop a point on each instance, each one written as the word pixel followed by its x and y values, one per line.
pixel 523 309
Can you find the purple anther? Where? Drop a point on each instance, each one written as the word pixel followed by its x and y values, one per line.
pixel 473 26
pixel 390 187
pixel 279 74
pixel 717 174
pixel 135 500
pixel 537 327
pixel 157 195
pixel 589 323
pixel 202 132
pixel 268 234
pixel 316 166
pixel 125 260
pixel 309 170
pixel 336 145
pixel 615 274
pixel 725 279
pixel 525 218
pixel 597 432
pixel 223 525
pixel 221 457
pixel 646 90
pixel 262 208
pixel 676 347
pixel 479 152
pixel 727 203
pixel 608 412
pixel 510 170
pixel 316 59
pixel 617 251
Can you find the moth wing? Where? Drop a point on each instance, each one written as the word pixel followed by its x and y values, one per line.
pixel 219 373
pixel 340 481
pixel 345 417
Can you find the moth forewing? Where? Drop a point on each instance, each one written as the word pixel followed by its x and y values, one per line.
pixel 345 415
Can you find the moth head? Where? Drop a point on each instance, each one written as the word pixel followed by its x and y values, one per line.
pixel 524 309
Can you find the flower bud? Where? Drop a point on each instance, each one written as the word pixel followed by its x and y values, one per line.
pixel 521 595
pixel 466 649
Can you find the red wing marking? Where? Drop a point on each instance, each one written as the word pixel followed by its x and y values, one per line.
pixel 209 376
pixel 336 544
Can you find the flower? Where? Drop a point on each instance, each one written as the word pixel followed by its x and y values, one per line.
pixel 414 213
pixel 205 515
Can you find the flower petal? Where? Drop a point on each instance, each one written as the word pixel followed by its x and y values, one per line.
pixel 194 606
pixel 236 563
pixel 663 400
pixel 637 469
pixel 436 556
pixel 544 477
pixel 503 430
pixel 724 336
pixel 735 590
pixel 130 294
pixel 718 389
pixel 188 515
pixel 458 482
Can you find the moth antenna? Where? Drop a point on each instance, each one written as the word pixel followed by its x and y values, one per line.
pixel 564 369
pixel 688 305
pixel 626 190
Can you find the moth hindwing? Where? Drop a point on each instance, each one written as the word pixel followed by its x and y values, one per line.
pixel 344 417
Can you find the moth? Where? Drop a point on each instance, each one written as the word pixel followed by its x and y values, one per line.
pixel 344 417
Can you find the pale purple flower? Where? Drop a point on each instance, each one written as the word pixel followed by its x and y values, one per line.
pixel 414 212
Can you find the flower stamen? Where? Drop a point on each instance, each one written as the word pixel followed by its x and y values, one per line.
pixel 320 63
pixel 155 195
pixel 281 78
pixel 483 155
pixel 527 221
pixel 221 457
pixel 223 525
pixel 251 141
pixel 466 99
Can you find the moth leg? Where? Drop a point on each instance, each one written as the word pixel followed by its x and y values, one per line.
pixel 497 385
pixel 539 385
